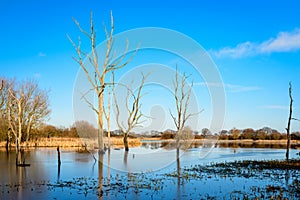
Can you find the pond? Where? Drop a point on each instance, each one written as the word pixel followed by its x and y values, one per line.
pixel 149 171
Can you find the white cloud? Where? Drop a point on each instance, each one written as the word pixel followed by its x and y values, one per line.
pixel 284 42
pixel 241 88
pixel 278 107
pixel 230 87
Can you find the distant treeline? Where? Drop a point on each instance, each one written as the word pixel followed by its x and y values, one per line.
pixel 261 134
pixel 265 133
pixel 84 129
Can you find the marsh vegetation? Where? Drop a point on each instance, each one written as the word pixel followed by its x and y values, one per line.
pixel 207 172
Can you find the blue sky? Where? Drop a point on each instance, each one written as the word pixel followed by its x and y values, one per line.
pixel 255 45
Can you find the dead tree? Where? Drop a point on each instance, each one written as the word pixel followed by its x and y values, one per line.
pixel 26 107
pixel 5 107
pixel 36 108
pixel 182 95
pixel 96 76
pixel 133 111
pixel 289 123
pixel 15 115
pixel 107 112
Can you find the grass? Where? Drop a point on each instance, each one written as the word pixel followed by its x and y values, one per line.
pixel 117 142
pixel 76 142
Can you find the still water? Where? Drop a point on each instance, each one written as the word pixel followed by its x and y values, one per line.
pixel 137 175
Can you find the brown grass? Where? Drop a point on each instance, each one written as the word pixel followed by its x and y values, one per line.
pixel 76 142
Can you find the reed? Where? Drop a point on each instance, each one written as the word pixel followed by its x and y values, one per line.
pixel 75 142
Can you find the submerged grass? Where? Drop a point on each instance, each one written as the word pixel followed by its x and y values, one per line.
pixel 274 179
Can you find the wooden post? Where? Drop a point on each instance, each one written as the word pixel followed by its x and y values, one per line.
pixel 58 156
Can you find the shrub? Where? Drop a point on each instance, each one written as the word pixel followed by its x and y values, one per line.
pixel 167 135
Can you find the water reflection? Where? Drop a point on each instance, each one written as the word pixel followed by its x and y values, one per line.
pixel 58 164
pixel 125 159
pixel 251 145
pixel 169 145
pixel 100 176
pixel 44 168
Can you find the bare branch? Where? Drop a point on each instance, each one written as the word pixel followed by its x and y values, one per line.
pixel 182 95
pixel 89 103
pixel 295 119
pixel 95 75
pixel 133 111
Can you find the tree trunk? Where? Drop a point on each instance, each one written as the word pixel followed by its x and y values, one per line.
pixel 108 120
pixel 289 124
pixel 7 142
pixel 100 125
pixel 125 140
pixel 178 143
pixel 28 129
pixel 100 116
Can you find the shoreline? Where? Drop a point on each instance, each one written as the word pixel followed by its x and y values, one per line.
pixel 117 142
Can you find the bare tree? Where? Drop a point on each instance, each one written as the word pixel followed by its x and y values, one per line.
pixel 15 114
pixel 85 129
pixel 182 94
pixel 36 107
pixel 289 123
pixel 26 107
pixel 4 108
pixel 133 111
pixel 97 75
pixel 107 112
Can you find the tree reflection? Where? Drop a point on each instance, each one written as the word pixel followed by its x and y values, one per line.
pixel 125 158
pixel 58 172
pixel 108 172
pixel 58 164
pixel 178 173
pixel 287 177
pixel 108 167
pixel 100 176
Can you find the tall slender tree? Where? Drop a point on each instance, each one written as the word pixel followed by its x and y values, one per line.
pixel 182 95
pixel 289 123
pixel 96 75
pixel 107 112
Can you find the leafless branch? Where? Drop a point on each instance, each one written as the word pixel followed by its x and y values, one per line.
pixel 133 109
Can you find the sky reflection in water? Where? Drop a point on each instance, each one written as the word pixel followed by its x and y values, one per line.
pixel 39 179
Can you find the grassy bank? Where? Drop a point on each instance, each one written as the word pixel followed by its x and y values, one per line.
pixel 116 142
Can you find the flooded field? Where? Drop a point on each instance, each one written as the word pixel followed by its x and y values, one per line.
pixel 150 171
